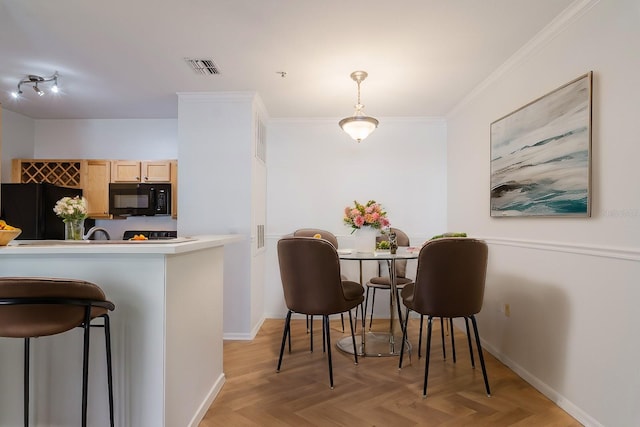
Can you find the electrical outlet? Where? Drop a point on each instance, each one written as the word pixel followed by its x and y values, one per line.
pixel 507 310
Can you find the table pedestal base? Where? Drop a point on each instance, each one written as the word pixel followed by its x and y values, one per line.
pixel 377 344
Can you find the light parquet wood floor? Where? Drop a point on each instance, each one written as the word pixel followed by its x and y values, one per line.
pixel 373 393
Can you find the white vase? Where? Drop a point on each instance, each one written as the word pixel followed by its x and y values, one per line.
pixel 365 239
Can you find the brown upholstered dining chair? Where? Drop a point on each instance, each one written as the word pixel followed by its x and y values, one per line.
pixel 331 238
pixel 450 282
pixel 312 285
pixel 32 307
pixel 383 282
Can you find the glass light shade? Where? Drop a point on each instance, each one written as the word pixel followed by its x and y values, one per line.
pixel 358 127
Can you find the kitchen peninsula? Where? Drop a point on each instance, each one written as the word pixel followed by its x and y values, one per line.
pixel 166 332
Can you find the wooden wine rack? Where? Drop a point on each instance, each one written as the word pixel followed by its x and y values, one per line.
pixel 66 173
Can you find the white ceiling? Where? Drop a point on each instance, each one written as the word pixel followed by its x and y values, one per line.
pixel 125 58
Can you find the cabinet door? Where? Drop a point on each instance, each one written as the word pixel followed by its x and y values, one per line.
pixel 96 187
pixel 174 189
pixel 125 171
pixel 156 171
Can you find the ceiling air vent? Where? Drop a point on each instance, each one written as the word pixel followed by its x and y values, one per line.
pixel 203 66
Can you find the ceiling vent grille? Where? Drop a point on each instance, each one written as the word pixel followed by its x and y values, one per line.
pixel 203 66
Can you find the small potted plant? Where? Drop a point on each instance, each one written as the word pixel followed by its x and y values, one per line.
pixel 383 245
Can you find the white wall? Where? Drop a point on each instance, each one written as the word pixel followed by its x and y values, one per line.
pixel 18 138
pixel 144 139
pixel 572 284
pixel 314 170
pixel 215 136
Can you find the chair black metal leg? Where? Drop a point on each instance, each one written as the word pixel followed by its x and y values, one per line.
pixel 427 356
pixel 342 320
pixel 453 343
pixel 26 382
pixel 353 337
pixel 85 363
pixel 107 340
pixel 373 303
pixel 480 356
pixel 355 320
pixel 404 337
pixel 325 329
pixel 311 334
pixel 444 350
pixel 466 324
pixel 328 337
pixel 285 332
pixel 420 337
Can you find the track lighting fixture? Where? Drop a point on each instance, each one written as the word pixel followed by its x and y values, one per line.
pixel 35 80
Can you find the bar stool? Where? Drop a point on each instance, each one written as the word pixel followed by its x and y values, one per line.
pixel 33 307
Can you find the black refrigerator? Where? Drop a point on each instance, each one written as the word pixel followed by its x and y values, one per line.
pixel 30 208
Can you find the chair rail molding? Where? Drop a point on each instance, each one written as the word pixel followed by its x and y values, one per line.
pixel 630 254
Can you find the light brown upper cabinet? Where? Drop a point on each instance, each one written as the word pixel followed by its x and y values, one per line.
pixel 156 171
pixel 143 171
pixel 97 175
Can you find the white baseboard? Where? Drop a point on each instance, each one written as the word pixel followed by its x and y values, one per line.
pixel 234 336
pixel 553 395
pixel 204 406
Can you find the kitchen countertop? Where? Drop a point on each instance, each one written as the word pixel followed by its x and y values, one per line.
pixel 166 331
pixel 165 246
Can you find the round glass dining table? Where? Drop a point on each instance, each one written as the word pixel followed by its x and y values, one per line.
pixel 383 343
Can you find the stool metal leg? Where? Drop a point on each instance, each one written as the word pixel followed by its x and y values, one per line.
pixel 26 382
pixel 85 363
pixel 107 339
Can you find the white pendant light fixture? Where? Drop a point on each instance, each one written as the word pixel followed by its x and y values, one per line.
pixel 359 126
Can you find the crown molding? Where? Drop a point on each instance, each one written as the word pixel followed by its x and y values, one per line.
pixel 559 24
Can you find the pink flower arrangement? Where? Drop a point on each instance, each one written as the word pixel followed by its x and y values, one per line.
pixel 371 215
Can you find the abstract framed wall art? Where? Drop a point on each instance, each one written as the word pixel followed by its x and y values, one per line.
pixel 541 155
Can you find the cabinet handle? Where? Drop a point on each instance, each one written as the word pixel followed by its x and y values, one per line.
pixel 146 178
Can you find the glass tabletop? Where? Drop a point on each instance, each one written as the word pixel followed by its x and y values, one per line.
pixel 402 253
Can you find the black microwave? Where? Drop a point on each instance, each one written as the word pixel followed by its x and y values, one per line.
pixel 139 199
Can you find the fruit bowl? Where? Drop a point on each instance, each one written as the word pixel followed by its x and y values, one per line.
pixel 8 235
